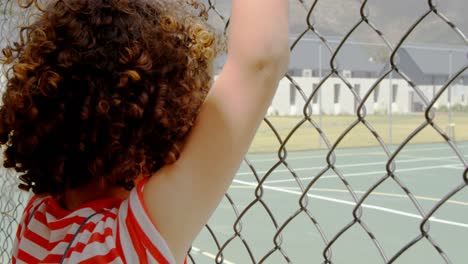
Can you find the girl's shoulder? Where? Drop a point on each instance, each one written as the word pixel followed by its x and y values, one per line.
pixel 114 227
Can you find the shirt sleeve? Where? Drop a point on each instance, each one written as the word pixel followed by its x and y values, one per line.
pixel 32 205
pixel 137 237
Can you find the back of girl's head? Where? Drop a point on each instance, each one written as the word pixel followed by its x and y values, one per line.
pixel 103 90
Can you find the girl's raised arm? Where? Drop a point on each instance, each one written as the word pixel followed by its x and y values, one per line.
pixel 181 197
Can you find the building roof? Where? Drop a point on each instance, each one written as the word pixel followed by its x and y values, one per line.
pixel 439 61
pixel 313 54
pixel 425 60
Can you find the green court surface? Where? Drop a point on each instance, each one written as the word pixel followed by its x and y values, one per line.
pixel 428 171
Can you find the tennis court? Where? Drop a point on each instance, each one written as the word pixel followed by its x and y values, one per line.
pixel 429 171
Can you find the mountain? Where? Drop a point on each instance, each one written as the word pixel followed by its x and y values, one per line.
pixel 336 18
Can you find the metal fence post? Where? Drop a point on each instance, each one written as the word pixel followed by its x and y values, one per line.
pixel 390 110
pixel 449 100
pixel 320 93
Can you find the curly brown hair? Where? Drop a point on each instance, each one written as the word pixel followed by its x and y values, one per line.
pixel 103 90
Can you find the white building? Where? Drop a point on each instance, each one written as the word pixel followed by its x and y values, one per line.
pixel 427 67
pixel 334 96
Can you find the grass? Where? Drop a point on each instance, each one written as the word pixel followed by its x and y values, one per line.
pixel 306 136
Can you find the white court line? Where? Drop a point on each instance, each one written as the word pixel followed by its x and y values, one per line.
pixel 426 198
pixel 209 255
pixel 456 167
pixel 318 156
pixel 396 195
pixel 375 207
pixel 349 165
pixel 359 174
pixel 348 154
pixel 248 187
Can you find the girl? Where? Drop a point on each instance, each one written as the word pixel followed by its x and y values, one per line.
pixel 109 117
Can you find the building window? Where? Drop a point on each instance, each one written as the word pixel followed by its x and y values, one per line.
pixel 316 95
pixel 376 94
pixel 357 89
pixel 394 92
pixel 292 94
pixel 316 73
pixel 295 72
pixel 336 96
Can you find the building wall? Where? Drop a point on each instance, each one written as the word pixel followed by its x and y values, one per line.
pixel 405 100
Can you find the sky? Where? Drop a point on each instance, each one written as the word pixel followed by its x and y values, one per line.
pixel 334 18
pixel 392 17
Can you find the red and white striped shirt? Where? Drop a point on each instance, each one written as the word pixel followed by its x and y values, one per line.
pixel 103 231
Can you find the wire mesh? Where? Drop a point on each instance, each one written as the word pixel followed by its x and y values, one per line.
pixel 277 251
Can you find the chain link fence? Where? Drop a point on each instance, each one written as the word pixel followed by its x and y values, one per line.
pixel 12 201
pixel 301 233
